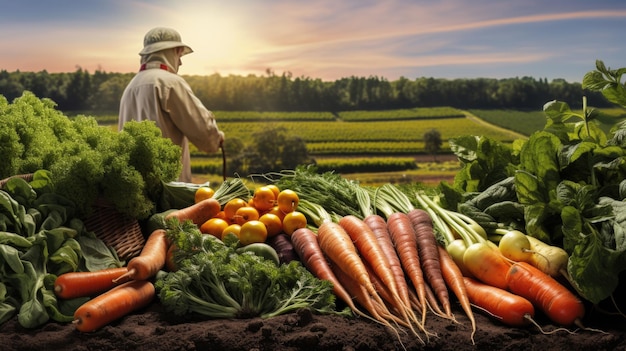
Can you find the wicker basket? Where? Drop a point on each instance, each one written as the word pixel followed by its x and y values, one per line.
pixel 116 230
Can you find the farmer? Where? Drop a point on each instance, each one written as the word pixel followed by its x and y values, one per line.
pixel 159 94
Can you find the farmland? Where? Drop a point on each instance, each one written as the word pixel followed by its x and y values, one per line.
pixel 391 141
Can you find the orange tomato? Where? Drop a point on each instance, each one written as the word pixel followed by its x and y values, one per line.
pixel 276 211
pixel 273 223
pixel 231 207
pixel 252 232
pixel 202 193
pixel 294 220
pixel 245 214
pixel 287 200
pixel 274 188
pixel 233 229
pixel 214 226
pixel 263 198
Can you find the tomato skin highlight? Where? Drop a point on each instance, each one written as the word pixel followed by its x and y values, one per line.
pixel 287 201
pixel 292 221
pixel 231 207
pixel 273 223
pixel 252 232
pixel 202 193
pixel 263 198
pixel 233 229
pixel 214 226
pixel 245 214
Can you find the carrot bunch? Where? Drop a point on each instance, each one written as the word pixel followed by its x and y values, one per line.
pixel 115 292
pixel 484 262
pixel 397 261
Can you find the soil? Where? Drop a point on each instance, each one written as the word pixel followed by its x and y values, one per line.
pixel 154 329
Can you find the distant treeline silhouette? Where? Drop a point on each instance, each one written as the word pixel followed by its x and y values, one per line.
pixel 101 91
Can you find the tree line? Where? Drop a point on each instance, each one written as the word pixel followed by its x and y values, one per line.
pixel 101 91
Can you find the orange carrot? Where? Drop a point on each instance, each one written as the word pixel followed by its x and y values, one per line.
pixel 429 255
pixel 338 247
pixel 378 225
pixel 433 304
pixel 150 260
pixel 307 247
pixel 454 279
pixel 503 305
pixel 198 213
pixel 404 239
pixel 381 288
pixel 170 265
pixel 84 284
pixel 377 310
pixel 546 293
pixel 113 304
pixel 370 251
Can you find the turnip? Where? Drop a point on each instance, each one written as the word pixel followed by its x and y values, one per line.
pixel 515 246
pixel 550 259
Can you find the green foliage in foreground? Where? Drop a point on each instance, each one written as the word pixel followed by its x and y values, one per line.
pixel 569 186
pixel 87 160
pixel 216 281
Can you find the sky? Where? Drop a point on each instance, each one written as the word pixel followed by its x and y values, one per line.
pixel 323 39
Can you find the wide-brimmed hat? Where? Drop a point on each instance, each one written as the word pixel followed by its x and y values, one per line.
pixel 162 38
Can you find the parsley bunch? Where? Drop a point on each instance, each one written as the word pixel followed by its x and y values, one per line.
pixel 87 161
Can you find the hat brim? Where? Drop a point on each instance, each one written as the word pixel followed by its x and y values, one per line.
pixel 164 45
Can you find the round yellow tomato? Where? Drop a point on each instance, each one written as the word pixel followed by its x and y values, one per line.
pixel 252 232
pixel 214 226
pixel 276 211
pixel 233 229
pixel 292 221
pixel 287 200
pixel 231 207
pixel 245 214
pixel 274 188
pixel 273 223
pixel 203 193
pixel 263 198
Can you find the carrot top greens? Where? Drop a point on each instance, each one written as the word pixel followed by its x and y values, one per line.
pixel 215 281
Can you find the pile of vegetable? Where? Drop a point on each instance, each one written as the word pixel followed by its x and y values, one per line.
pixel 41 239
pixel 87 161
pixel 564 185
pixel 536 227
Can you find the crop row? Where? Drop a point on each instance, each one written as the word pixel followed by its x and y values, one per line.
pixel 213 165
pixel 401 114
pixel 365 147
pixel 396 131
pixel 365 164
pixel 256 116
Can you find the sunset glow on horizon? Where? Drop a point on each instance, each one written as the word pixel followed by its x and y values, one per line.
pixel 323 39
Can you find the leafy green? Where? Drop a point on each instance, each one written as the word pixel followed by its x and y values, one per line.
pixel 215 281
pixel 41 240
pixel 568 182
pixel 87 161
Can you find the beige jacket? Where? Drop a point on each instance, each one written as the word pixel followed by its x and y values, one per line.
pixel 159 94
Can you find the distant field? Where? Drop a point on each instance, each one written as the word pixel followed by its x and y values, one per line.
pixel 389 141
pixel 527 122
